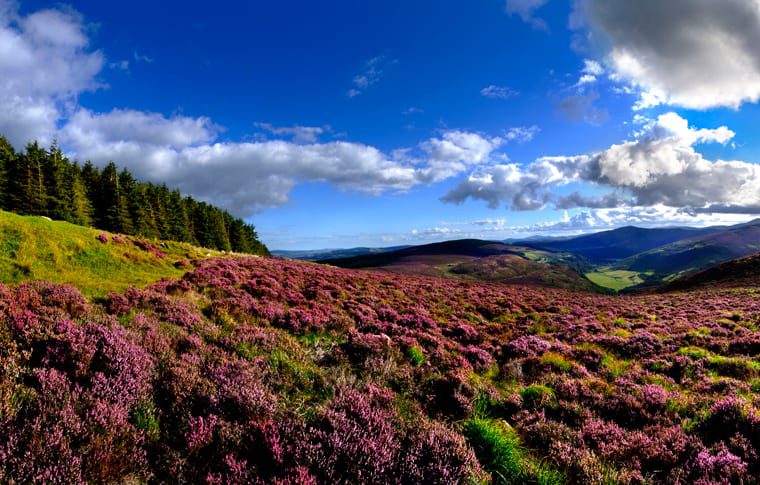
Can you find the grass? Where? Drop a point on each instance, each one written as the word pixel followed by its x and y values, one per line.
pixel 498 448
pixel 615 279
pixel 416 356
pixel 35 248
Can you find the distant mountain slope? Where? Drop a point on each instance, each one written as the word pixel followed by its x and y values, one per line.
pixel 477 260
pixel 96 262
pixel 691 255
pixel 610 246
pixel 321 254
pixel 736 273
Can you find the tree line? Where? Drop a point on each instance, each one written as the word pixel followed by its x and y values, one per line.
pixel 43 182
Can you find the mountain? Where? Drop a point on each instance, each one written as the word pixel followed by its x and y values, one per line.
pixel 321 254
pixel 96 262
pixel 688 256
pixel 475 259
pixel 611 246
pixel 742 272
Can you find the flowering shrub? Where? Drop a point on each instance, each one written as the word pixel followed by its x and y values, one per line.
pixel 256 370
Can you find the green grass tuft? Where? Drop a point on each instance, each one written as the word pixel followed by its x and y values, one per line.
pixel 415 355
pixel 498 449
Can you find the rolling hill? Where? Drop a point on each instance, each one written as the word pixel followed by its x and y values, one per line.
pixel 480 260
pixel 742 272
pixel 617 244
pixel 688 256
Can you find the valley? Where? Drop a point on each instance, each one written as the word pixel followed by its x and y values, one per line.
pixel 624 259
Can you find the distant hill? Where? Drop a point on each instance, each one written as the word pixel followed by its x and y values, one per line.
pixel 321 254
pixel 96 262
pixel 688 256
pixel 735 273
pixel 611 246
pixel 476 259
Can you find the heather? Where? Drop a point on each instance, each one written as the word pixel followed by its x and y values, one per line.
pixel 258 370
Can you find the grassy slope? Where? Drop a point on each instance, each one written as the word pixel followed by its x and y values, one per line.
pixel 615 279
pixel 35 248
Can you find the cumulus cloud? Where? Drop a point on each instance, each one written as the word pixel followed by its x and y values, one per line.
pixel 45 61
pixel 497 92
pixel 659 167
pixel 526 10
pixel 454 152
pixel 244 177
pixel 696 54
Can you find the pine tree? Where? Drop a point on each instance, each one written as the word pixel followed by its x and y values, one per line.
pixel 179 220
pixel 44 182
pixel 76 196
pixel 7 157
pixel 53 167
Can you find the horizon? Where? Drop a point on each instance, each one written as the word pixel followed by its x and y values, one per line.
pixel 522 238
pixel 343 125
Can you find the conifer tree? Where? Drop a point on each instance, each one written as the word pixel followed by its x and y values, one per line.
pixel 44 182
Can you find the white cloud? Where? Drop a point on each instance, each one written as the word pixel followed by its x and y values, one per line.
pixel 592 68
pixel 493 224
pixel 526 9
pixel 298 133
pixel 659 167
pixel 696 54
pixel 497 92
pixel 138 127
pixel 45 62
pixel 589 74
pixel 244 177
pixel 521 134
pixel 641 216
pixel 374 69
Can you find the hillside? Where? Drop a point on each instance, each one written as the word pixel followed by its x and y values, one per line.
pixel 35 248
pixel 610 246
pixel 260 370
pixel 477 260
pixel 742 272
pixel 688 256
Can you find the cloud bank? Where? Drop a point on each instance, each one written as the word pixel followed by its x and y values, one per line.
pixel 659 166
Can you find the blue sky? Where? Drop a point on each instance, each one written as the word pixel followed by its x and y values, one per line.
pixel 344 123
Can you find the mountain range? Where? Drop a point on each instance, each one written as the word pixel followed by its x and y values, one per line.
pixel 624 259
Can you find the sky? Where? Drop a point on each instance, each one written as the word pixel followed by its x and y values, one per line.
pixel 344 123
